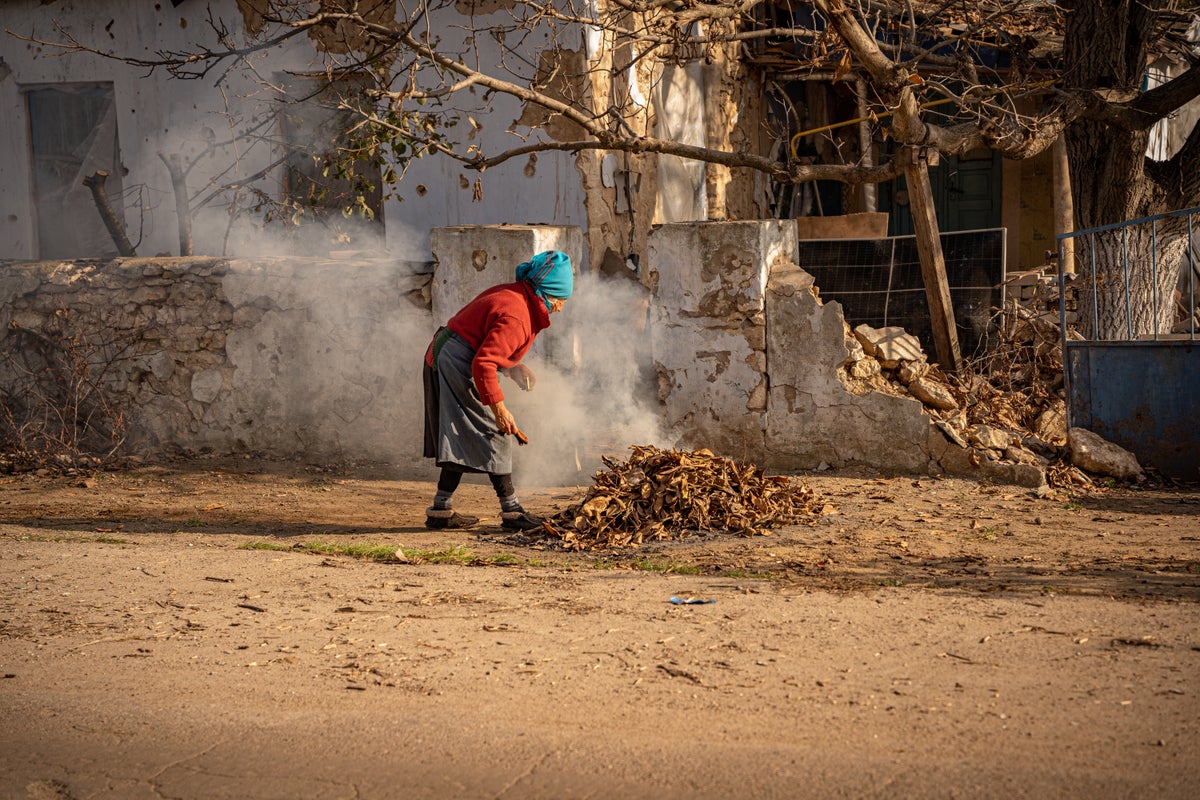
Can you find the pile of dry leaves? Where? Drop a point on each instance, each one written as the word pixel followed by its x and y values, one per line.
pixel 669 494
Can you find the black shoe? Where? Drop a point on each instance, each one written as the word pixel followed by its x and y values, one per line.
pixel 448 518
pixel 520 521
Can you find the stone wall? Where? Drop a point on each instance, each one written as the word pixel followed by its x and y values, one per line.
pixel 319 360
pixel 291 358
pixel 753 365
pixel 748 356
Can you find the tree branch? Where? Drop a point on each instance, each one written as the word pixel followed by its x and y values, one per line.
pixel 1162 100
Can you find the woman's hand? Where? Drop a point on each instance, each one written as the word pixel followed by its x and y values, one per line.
pixel 523 375
pixel 504 419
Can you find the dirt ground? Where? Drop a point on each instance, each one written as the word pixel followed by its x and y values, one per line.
pixel 205 630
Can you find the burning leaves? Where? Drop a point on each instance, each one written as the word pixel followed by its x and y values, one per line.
pixel 661 495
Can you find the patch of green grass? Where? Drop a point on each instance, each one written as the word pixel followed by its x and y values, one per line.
pixel 988 533
pixel 1073 506
pixel 453 555
pixel 749 575
pixel 385 553
pixel 647 565
pixel 365 552
pixel 263 546
pixel 101 539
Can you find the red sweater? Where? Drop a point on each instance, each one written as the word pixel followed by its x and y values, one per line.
pixel 500 326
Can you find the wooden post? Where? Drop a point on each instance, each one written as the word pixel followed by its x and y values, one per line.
pixel 182 213
pixel 916 162
pixel 116 228
pixel 1064 205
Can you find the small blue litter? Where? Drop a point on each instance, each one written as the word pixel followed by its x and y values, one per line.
pixel 690 601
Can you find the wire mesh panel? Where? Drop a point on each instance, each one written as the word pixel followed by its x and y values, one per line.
pixel 878 282
pixel 1138 280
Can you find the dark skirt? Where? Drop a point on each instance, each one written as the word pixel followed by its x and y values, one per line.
pixel 460 432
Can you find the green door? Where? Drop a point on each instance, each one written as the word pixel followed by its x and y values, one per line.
pixel 966 194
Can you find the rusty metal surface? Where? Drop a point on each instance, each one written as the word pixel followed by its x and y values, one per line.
pixel 1144 396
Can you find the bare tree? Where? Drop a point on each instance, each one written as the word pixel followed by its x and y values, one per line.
pixel 1107 47
pixel 942 78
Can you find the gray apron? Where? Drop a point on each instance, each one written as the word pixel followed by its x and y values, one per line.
pixel 459 429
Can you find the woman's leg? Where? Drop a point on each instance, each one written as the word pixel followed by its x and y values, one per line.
pixel 503 485
pixel 440 514
pixel 513 516
pixel 447 483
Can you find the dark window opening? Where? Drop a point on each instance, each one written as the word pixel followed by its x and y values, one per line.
pixel 73 133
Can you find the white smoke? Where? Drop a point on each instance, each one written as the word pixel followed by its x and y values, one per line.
pixel 596 401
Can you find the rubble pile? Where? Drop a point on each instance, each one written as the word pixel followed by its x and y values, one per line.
pixel 660 495
pixel 1006 405
pixel 1016 390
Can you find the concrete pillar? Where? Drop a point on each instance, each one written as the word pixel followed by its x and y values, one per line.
pixel 708 328
pixel 471 258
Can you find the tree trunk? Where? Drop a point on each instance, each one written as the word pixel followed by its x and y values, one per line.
pixel 1111 184
pixel 116 227
pixel 1128 278
pixel 182 212
pixel 933 264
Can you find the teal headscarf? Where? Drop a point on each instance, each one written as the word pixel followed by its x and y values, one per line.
pixel 550 273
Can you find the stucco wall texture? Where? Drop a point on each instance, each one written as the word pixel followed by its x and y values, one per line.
pixel 320 359
pixel 285 357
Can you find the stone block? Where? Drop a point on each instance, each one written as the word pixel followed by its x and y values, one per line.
pixel 990 437
pixel 911 370
pixel 1051 424
pixel 207 385
pixel 160 364
pixel 890 345
pixel 864 368
pixel 1092 452
pixel 16 281
pixel 933 394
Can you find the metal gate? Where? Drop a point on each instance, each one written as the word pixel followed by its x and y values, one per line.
pixel 1141 392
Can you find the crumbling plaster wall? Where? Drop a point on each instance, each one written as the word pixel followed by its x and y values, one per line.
pixel 748 359
pixel 292 358
pixel 708 329
pixel 812 417
pixel 156 113
pixel 298 358
pixel 320 360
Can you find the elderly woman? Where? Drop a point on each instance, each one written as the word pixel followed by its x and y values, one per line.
pixel 467 427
